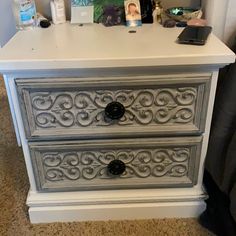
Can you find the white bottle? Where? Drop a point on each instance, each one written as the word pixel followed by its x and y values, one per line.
pixel 25 13
pixel 58 11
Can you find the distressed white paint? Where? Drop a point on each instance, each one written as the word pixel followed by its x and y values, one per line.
pixel 124 204
pixel 20 128
pixel 96 47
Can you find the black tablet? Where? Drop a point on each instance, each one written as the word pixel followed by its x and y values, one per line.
pixel 196 35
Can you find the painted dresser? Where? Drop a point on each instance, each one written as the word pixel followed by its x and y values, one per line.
pixel 113 125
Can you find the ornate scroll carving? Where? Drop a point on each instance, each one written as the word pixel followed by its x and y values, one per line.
pixel 86 108
pixel 142 163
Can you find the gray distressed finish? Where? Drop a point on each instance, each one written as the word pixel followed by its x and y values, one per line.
pixel 74 107
pixel 80 165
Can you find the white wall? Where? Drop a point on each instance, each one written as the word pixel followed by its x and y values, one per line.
pixel 43 6
pixel 215 13
pixel 7 22
pixel 230 25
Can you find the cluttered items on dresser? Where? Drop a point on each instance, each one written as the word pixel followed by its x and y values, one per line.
pixel 131 13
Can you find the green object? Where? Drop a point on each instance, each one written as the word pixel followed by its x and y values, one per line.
pixel 81 3
pixel 99 4
pixel 178 11
pixel 183 13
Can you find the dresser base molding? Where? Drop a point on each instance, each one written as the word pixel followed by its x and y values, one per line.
pixel 115 205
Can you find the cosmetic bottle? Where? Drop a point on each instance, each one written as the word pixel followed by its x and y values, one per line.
pixel 25 14
pixel 58 11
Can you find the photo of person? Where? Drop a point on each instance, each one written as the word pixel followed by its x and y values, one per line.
pixel 132 13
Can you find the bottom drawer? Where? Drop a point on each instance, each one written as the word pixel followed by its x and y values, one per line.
pixel 112 164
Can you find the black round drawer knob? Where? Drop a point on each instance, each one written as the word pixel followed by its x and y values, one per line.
pixel 114 110
pixel 116 167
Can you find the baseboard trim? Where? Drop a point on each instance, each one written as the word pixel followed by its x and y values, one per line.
pixel 68 207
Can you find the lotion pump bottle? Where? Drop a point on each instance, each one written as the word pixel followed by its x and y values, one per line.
pixel 58 11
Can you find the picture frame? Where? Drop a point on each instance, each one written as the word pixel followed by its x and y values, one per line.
pixel 133 13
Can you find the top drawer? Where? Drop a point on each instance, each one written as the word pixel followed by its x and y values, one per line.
pixel 114 107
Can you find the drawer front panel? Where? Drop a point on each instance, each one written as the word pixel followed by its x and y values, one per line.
pixel 76 107
pixel 136 163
